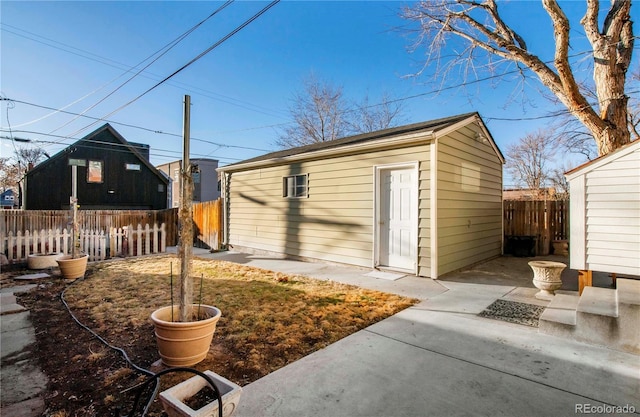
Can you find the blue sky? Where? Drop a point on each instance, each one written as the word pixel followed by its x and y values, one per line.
pixel 55 53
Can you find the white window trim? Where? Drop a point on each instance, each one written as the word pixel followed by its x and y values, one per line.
pixel 285 188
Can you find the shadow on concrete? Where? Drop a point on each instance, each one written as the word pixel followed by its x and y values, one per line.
pixel 515 271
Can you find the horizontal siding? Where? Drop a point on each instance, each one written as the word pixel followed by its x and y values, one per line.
pixel 469 201
pixel 424 217
pixel 613 216
pixel 470 252
pixel 334 223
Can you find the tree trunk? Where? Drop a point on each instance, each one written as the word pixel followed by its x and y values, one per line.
pixel 612 48
pixel 186 221
pixel 186 249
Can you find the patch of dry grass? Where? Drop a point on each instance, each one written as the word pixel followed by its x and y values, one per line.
pixel 268 319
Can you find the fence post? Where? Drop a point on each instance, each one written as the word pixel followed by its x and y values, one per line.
pixel 130 240
pixel 156 237
pixel 12 242
pixel 147 241
pixel 57 241
pixel 2 242
pixel 19 244
pixel 65 241
pixel 163 238
pixel 102 239
pixel 139 236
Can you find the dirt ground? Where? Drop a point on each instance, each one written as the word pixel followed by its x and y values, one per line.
pixel 87 378
pixel 75 362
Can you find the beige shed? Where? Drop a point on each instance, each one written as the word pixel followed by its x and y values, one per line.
pixel 422 199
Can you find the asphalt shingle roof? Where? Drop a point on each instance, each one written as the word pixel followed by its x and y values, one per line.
pixel 432 125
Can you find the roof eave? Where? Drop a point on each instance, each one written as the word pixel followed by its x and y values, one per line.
pixel 601 160
pixel 383 143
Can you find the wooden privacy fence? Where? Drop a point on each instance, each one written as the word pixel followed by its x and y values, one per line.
pixel 22 220
pixel 207 219
pixel 125 241
pixel 541 221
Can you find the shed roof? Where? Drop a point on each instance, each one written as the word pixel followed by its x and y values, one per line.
pixel 604 159
pixel 431 126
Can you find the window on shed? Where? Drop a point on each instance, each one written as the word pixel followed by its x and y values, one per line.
pixel 132 167
pixel 295 186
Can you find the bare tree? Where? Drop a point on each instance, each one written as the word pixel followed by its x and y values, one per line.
pixel 528 161
pixel 30 157
pixel 490 43
pixel 634 107
pixel 369 118
pixel 321 113
pixel 559 181
pixel 9 174
pixel 318 115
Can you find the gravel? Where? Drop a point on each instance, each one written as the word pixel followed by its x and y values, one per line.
pixel 513 312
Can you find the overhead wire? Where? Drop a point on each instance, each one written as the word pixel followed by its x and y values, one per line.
pixel 464 84
pixel 203 53
pixel 161 52
pixel 175 155
pixel 550 115
pixel 151 129
pixel 121 66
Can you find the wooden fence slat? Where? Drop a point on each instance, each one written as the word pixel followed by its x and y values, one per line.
pixel 21 220
pixel 546 221
pixel 92 242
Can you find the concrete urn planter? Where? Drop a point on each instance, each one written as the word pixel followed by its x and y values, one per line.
pixel 184 343
pixel 546 277
pixel 72 268
pixel 42 260
pixel 173 399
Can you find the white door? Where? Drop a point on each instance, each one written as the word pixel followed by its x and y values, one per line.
pixel 397 218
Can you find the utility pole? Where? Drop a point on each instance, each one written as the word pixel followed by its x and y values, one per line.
pixel 186 219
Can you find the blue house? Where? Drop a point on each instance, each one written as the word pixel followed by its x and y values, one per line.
pixel 8 199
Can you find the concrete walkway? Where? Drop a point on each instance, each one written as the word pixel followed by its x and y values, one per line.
pixel 439 358
pixel 21 380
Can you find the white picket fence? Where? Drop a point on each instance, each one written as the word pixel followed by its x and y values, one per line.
pixel 125 241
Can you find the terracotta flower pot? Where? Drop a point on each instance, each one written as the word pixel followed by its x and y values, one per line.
pixel 184 343
pixel 72 268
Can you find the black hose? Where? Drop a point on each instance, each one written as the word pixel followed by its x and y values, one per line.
pixel 156 378
pixel 117 349
pixel 152 376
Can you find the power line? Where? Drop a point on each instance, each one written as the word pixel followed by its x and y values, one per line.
pixel 551 115
pixel 221 145
pixel 127 68
pixel 203 53
pixel 144 128
pixel 162 51
pixel 169 153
